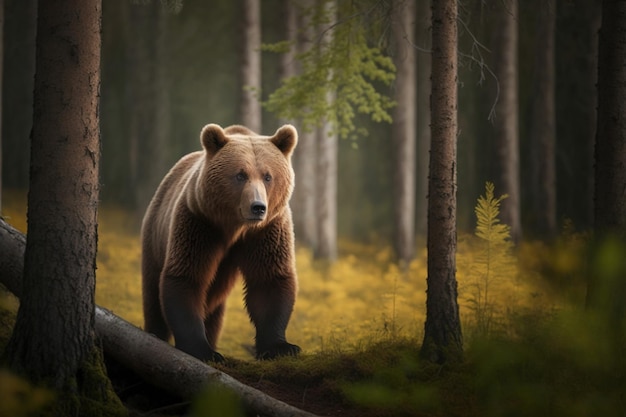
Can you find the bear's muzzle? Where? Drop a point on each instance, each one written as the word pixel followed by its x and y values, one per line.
pixel 254 202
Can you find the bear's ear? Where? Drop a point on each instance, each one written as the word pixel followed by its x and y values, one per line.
pixel 213 138
pixel 285 139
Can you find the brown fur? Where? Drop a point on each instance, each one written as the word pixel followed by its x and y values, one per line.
pixel 220 212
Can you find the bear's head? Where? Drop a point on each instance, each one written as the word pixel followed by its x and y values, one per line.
pixel 246 179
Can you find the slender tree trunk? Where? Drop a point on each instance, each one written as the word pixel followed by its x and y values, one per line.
pixel 303 198
pixel 1 90
pixel 543 124
pixel 592 105
pixel 305 156
pixel 442 332
pixel 506 123
pixel 610 152
pixel 326 195
pixel 251 65
pixel 606 287
pixel 148 100
pixel 403 129
pixel 422 34
pixel 54 331
pixel 327 149
pixel 18 117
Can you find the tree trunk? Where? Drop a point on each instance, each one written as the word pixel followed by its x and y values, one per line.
pixel 55 324
pixel 305 154
pixel 543 124
pixel 155 361
pixel 506 124
pixel 303 198
pixel 610 152
pixel 1 89
pixel 422 35
pixel 251 65
pixel 592 106
pixel 173 370
pixel 442 332
pixel 327 149
pixel 147 97
pixel 606 288
pixel 12 247
pixel 20 29
pixel 326 193
pixel 403 130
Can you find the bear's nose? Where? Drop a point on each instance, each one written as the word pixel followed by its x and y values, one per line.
pixel 258 208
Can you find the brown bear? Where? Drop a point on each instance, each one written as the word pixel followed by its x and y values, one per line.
pixel 218 213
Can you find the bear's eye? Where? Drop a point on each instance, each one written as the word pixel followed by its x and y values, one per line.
pixel 267 178
pixel 241 177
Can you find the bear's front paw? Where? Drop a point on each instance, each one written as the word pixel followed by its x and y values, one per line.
pixel 279 349
pixel 214 356
pixel 205 354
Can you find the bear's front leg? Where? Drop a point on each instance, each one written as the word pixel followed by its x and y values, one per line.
pixel 183 309
pixel 268 268
pixel 270 305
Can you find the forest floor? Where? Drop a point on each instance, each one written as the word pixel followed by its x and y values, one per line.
pixel 559 366
pixel 530 348
pixel 325 385
pixel 348 384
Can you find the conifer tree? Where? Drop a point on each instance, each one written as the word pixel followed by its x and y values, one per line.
pixel 442 332
pixel 349 67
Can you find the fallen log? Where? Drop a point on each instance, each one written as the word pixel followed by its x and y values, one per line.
pixel 12 246
pixel 157 362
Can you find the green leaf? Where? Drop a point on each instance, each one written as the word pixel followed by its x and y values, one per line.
pixel 338 78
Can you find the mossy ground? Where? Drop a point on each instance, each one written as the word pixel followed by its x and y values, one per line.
pixel 530 349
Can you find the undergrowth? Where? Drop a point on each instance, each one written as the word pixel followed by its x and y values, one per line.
pixel 530 348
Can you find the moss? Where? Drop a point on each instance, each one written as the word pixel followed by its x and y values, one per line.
pixel 90 393
pixel 8 313
pixel 96 394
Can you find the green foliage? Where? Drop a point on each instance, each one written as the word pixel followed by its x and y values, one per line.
pixel 398 386
pixel 557 365
pixel 19 398
pixel 345 68
pixel 488 226
pixel 493 260
pixel 547 357
pixel 216 401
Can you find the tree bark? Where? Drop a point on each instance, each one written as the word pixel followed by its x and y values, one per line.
pixel 543 124
pixel 53 333
pixel 19 35
pixel 326 194
pixel 147 97
pixel 305 154
pixel 592 93
pixel 1 89
pixel 610 151
pixel 606 286
pixel 251 65
pixel 327 149
pixel 442 331
pixel 12 247
pixel 172 370
pixel 403 130
pixel 506 123
pixel 303 198
pixel 422 34
pixel 154 360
